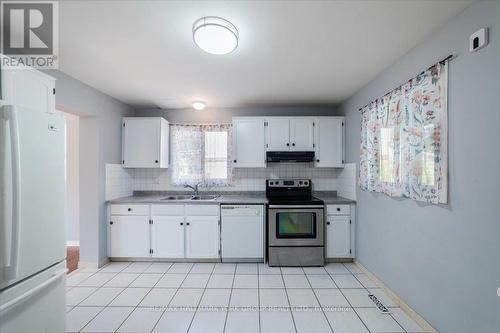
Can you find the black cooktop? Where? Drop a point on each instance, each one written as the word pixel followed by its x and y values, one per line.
pixel 291 192
pixel 289 201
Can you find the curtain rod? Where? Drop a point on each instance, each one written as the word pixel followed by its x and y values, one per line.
pixel 450 57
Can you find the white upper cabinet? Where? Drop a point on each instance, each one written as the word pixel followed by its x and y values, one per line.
pixel 253 136
pixel 145 142
pixel 248 143
pixel 301 134
pixel 329 142
pixel 278 134
pixel 290 134
pixel 28 88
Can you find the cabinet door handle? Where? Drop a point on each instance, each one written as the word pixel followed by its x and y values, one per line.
pixel 156 161
pixel 317 161
pixel 293 144
pixel 130 209
pixel 328 223
pixel 338 209
pixel 234 161
pixel 182 223
pixel 288 145
pixel 110 222
pixel 187 223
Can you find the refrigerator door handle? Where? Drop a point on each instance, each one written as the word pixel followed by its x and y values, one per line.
pixel 11 115
pixel 21 298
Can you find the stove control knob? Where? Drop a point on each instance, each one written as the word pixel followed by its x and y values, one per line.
pixel 300 183
pixel 306 183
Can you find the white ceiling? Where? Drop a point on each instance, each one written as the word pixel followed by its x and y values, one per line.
pixel 290 52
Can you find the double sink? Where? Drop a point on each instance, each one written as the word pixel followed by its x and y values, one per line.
pixel 206 197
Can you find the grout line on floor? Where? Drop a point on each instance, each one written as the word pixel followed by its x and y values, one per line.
pixel 258 293
pixel 173 296
pixel 230 296
pixel 367 289
pixel 353 309
pixel 104 307
pixel 288 299
pixel 211 273
pixel 142 299
pixel 319 303
pixel 199 302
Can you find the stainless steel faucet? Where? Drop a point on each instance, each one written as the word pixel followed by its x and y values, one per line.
pixel 196 192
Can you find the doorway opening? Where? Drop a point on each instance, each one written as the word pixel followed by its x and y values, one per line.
pixel 72 206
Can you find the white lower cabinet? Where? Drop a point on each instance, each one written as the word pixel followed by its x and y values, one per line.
pixel 340 231
pixel 202 237
pixel 129 236
pixel 173 231
pixel 167 236
pixel 338 234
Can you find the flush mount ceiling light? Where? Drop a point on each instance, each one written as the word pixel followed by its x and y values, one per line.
pixel 215 35
pixel 199 105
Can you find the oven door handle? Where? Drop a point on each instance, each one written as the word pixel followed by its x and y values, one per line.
pixel 296 206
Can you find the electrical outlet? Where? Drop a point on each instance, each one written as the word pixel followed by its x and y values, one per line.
pixel 498 292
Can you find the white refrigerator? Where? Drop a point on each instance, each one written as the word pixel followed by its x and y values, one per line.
pixel 32 238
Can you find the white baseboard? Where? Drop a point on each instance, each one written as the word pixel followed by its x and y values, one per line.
pixel 88 264
pixel 405 307
pixel 92 264
pixel 72 243
pixel 103 262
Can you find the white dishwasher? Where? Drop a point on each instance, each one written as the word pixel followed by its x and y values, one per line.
pixel 242 232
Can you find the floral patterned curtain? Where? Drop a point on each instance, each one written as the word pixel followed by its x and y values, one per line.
pixel 404 140
pixel 201 154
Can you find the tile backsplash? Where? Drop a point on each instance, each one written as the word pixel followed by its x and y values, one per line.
pixel 119 181
pixel 122 182
pixel 346 181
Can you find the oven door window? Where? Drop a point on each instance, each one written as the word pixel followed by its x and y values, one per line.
pixel 296 225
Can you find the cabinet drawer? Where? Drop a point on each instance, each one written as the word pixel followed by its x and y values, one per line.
pixel 167 210
pixel 200 210
pixel 338 210
pixel 132 209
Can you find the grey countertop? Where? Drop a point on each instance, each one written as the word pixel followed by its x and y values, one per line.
pixel 329 197
pixel 224 198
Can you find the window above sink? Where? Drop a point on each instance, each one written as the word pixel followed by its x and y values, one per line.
pixel 200 154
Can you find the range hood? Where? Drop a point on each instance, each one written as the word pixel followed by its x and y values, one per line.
pixel 289 156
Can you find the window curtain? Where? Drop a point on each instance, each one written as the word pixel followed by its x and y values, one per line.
pixel 404 140
pixel 201 154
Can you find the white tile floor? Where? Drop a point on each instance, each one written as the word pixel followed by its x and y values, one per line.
pixel 240 298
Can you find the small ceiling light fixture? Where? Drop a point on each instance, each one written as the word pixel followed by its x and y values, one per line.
pixel 215 35
pixel 199 105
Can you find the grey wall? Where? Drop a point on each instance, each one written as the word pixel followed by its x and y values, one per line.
pixel 100 143
pixel 212 115
pixel 72 177
pixel 444 261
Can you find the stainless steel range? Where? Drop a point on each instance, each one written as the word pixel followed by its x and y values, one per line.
pixel 295 223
